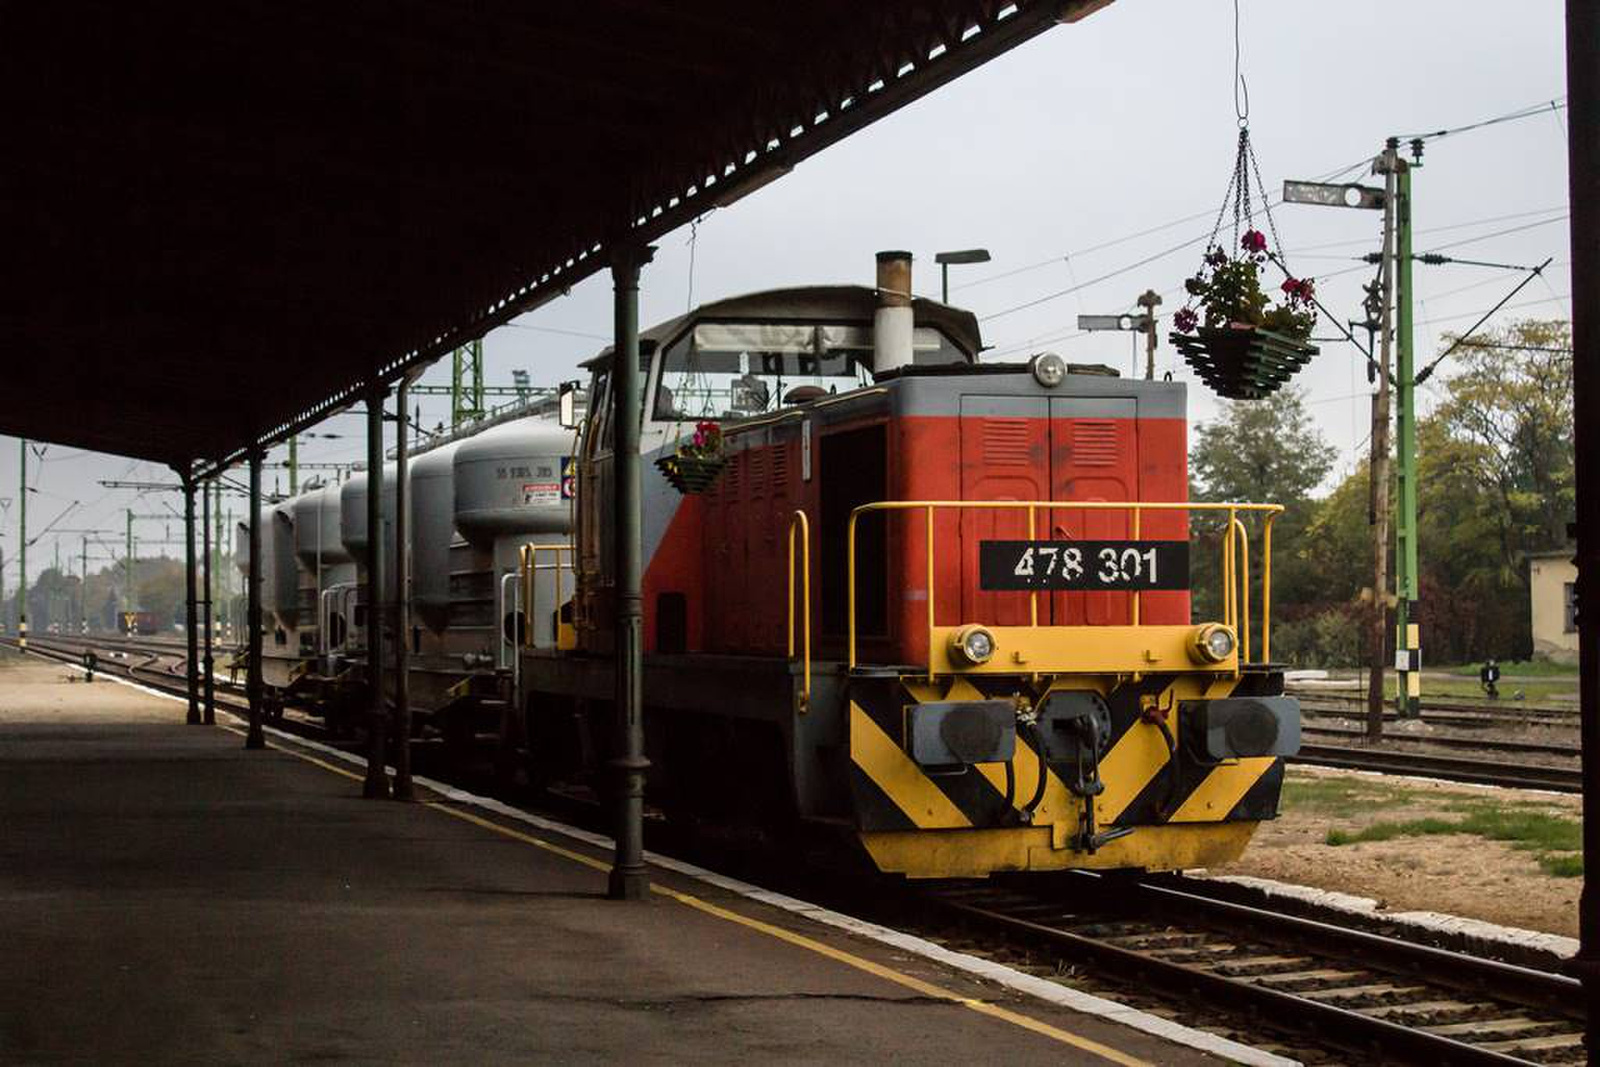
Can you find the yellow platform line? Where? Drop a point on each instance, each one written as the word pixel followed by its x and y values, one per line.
pixel 849 959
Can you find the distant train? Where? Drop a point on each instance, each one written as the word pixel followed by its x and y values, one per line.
pixel 937 604
pixel 139 622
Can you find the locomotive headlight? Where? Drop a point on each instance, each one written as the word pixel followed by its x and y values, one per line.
pixel 1212 643
pixel 1049 369
pixel 972 644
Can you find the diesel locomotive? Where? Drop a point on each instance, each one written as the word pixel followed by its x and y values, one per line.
pixel 937 603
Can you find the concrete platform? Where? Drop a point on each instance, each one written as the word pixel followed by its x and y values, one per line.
pixel 167 897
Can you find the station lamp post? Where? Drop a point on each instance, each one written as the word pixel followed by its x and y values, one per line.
pixel 944 259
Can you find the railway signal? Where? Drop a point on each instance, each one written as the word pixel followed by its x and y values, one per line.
pixel 1394 291
pixel 1145 324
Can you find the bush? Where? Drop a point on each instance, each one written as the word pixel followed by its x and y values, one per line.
pixel 1331 638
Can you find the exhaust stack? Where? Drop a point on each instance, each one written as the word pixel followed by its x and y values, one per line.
pixel 892 323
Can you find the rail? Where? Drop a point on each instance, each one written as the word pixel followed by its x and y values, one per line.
pixel 529 567
pixel 798 521
pixel 1235 559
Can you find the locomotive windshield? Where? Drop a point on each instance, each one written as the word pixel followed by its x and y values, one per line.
pixel 733 370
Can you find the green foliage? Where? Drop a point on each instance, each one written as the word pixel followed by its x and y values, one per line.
pixel 1267 452
pixel 1228 292
pixel 1261 451
pixel 1330 638
pixel 1495 482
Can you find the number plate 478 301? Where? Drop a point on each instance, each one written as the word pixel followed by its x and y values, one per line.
pixel 1083 565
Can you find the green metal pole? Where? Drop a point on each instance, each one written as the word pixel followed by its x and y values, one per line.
pixel 207 660
pixel 630 878
pixel 83 590
pixel 22 551
pixel 294 465
pixel 477 378
pixel 127 559
pixel 1408 699
pixel 455 388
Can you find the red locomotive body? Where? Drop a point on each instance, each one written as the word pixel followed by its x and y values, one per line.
pixel 721 565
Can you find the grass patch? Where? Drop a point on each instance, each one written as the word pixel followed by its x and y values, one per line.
pixel 1558 841
pixel 1562 866
pixel 1529 668
pixel 1338 795
pixel 1534 690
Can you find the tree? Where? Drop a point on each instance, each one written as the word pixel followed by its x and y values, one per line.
pixel 1259 451
pixel 1509 411
pixel 1265 451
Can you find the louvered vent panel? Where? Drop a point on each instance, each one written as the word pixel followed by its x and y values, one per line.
pixel 1005 442
pixel 780 468
pixel 758 471
pixel 1094 442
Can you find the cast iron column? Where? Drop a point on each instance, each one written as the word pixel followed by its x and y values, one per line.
pixel 192 618
pixel 402 644
pixel 252 685
pixel 1583 169
pixel 377 783
pixel 209 711
pixel 630 880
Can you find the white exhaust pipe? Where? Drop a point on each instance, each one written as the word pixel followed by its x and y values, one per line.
pixel 892 323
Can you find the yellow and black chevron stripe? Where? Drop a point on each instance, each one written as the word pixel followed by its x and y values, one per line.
pixel 1174 803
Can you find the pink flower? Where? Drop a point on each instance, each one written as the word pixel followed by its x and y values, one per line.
pixel 1185 320
pixel 1253 241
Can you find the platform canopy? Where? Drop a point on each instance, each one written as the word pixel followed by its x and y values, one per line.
pixel 224 219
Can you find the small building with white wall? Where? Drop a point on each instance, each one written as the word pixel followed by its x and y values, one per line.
pixel 1552 582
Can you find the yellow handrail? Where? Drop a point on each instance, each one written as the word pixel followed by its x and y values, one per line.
pixel 799 521
pixel 528 563
pixel 1234 532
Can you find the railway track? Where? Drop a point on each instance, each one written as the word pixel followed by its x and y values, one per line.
pixel 1448 768
pixel 1308 982
pixel 1478 744
pixel 1481 713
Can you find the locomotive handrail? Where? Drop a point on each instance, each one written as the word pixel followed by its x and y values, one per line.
pixel 529 566
pixel 799 521
pixel 1232 563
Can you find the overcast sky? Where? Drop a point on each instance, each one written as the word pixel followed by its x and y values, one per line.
pixel 1054 157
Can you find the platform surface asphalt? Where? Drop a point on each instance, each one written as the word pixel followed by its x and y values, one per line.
pixel 167 897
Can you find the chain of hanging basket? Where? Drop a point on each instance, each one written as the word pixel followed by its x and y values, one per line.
pixel 1239 343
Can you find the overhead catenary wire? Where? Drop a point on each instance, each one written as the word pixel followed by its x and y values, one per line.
pixel 1532 110
pixel 1427 371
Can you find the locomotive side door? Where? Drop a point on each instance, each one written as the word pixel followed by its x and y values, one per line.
pixel 1094 455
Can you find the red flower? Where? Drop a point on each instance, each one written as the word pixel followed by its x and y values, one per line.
pixel 1185 320
pixel 1254 241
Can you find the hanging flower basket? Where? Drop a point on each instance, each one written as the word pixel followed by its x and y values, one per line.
pixel 1238 341
pixel 1242 362
pixel 697 462
pixel 690 474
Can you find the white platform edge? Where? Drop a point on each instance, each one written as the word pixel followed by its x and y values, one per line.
pixel 1351 904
